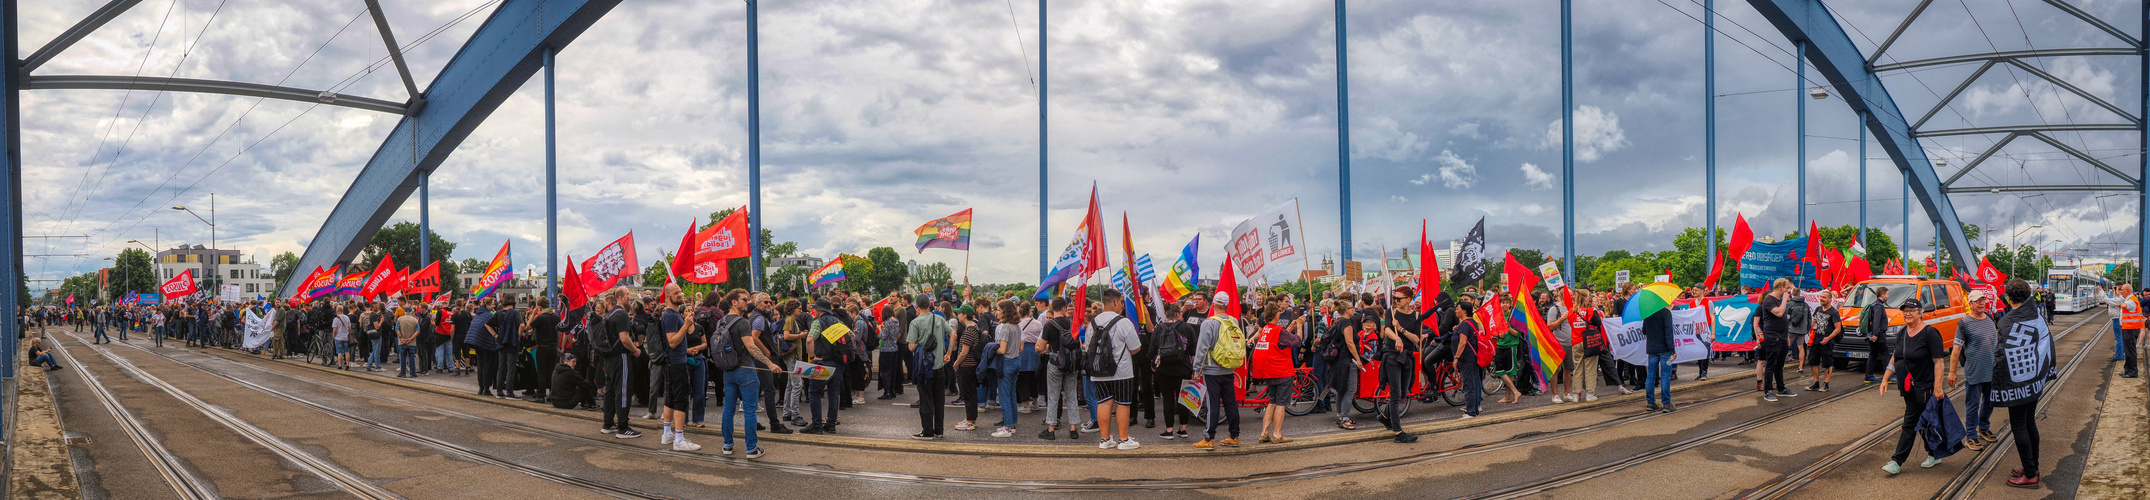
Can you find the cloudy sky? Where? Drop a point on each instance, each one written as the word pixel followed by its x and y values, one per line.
pixel 1189 116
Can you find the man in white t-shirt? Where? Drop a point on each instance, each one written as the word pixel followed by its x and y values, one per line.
pixel 1116 393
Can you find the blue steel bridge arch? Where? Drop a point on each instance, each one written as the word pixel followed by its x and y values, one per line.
pixel 512 45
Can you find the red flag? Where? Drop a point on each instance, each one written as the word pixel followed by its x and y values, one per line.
pixel 611 263
pixel 1990 275
pixel 1716 271
pixel 1429 279
pixel 179 286
pixel 572 287
pixel 1228 284
pixel 683 259
pixel 1741 239
pixel 426 280
pixel 1093 228
pixel 1814 244
pixel 727 239
pixel 1494 322
pixel 878 306
pixel 378 277
pixel 398 280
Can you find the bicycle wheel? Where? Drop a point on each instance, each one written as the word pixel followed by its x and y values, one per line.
pixel 1452 386
pixel 1305 393
pixel 1365 406
pixel 1492 385
pixel 1403 407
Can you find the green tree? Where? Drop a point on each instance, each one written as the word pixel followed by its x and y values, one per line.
pixel 83 287
pixel 2125 272
pixel 401 241
pixel 1638 268
pixel 786 281
pixel 454 282
pixel 1529 257
pixel 281 267
pixel 930 275
pixel 132 273
pixel 888 272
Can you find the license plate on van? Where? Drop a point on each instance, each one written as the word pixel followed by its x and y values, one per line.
pixel 1855 355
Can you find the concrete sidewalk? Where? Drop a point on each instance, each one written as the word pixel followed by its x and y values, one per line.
pixel 39 463
pixel 2119 464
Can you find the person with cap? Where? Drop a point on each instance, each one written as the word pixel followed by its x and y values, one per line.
pixel 2128 318
pixel 930 332
pixel 1916 350
pixel 1971 363
pixel 826 392
pixel 568 386
pixel 1223 404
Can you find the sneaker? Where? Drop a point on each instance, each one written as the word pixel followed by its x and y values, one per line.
pixel 1625 390
pixel 1023 409
pixel 1823 388
pixel 727 451
pixel 664 437
pixel 1129 445
pixel 1072 435
pixel 1180 434
pixel 1769 396
pixel 1988 436
pixel 753 453
pixel 609 430
pixel 1892 467
pixel 922 436
pixel 1048 435
pixel 1669 408
pixel 816 430
pixel 1004 432
pixel 1107 444
pixel 964 426
pixel 2028 479
pixel 1787 394
pixel 1930 462
pixel 1466 416
pixel 1815 387
pixel 1406 438
pixel 1232 442
pixel 1205 445
pixel 1089 427
pixel 1558 400
pixel 1590 397
pixel 628 434
pixel 858 400
pixel 685 445
pixel 1165 435
pixel 780 429
pixel 1652 407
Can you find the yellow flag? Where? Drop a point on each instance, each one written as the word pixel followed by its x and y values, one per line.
pixel 835 332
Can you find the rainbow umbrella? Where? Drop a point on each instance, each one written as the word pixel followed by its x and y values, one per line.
pixel 1649 300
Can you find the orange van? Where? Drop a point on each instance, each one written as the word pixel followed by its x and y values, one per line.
pixel 1945 302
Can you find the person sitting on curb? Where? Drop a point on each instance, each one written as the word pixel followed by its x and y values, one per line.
pixel 568 386
pixel 41 355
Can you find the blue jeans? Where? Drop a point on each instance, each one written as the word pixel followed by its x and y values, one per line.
pixel 1473 385
pixel 100 334
pixel 700 381
pixel 373 359
pixel 1977 412
pixel 44 359
pixel 741 387
pixel 408 353
pixel 1657 383
pixel 1007 399
pixel 157 332
pixel 2118 351
pixel 441 361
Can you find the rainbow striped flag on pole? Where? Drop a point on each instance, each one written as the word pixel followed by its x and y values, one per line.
pixel 1538 339
pixel 1185 275
pixel 499 271
pixel 951 232
pixel 828 273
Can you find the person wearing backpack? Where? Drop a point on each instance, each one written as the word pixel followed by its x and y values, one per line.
pixel 825 392
pixel 1175 362
pixel 1341 351
pixel 1589 344
pixel 615 341
pixel 1109 362
pixel 1218 353
pixel 1270 367
pixel 773 380
pixel 1063 387
pixel 891 353
pixel 737 352
pixel 929 339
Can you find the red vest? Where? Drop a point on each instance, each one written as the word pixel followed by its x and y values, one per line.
pixel 1270 360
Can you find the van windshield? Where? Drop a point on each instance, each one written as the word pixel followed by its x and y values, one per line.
pixel 1898 292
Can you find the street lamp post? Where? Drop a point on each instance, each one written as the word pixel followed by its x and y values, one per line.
pixel 214 258
pixel 2015 241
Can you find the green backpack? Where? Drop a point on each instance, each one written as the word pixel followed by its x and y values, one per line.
pixel 1230 350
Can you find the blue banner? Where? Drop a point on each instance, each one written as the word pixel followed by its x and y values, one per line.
pixel 1765 262
pixel 1734 316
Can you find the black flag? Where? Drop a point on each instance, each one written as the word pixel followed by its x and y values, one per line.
pixel 1471 259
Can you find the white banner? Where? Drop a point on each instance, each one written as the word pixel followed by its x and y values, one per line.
pixel 1272 237
pixel 230 293
pixel 258 329
pixel 1690 338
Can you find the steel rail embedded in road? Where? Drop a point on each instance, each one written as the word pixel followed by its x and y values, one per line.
pixel 1786 484
pixel 1967 481
pixel 342 478
pixel 608 489
pixel 168 466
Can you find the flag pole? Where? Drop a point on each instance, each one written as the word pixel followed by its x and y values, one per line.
pixel 1304 264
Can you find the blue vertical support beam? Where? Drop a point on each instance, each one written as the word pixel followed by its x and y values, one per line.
pixel 1828 47
pixel 1343 131
pixel 1709 131
pixel 1567 137
pixel 10 195
pixel 1800 67
pixel 552 189
pixel 1043 176
pixel 500 56
pixel 754 145
pixel 1903 246
pixel 425 222
pixel 2142 153
pixel 1862 178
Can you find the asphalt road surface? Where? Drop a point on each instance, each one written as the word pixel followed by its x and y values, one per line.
pixel 176 422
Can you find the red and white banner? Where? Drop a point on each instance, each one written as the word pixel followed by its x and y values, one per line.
pixel 179 286
pixel 379 277
pixel 424 281
pixel 615 261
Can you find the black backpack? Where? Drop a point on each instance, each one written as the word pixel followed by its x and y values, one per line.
pixel 603 341
pixel 1067 353
pixel 1099 361
pixel 654 344
pixel 722 355
pixel 1172 343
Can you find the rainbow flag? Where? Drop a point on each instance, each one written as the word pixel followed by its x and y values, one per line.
pixel 1538 340
pixel 951 232
pixel 1186 275
pixel 350 285
pixel 499 271
pixel 325 285
pixel 828 273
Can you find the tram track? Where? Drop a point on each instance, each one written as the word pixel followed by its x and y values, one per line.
pixel 1965 481
pixel 822 470
pixel 175 473
pixel 464 452
pixel 188 485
